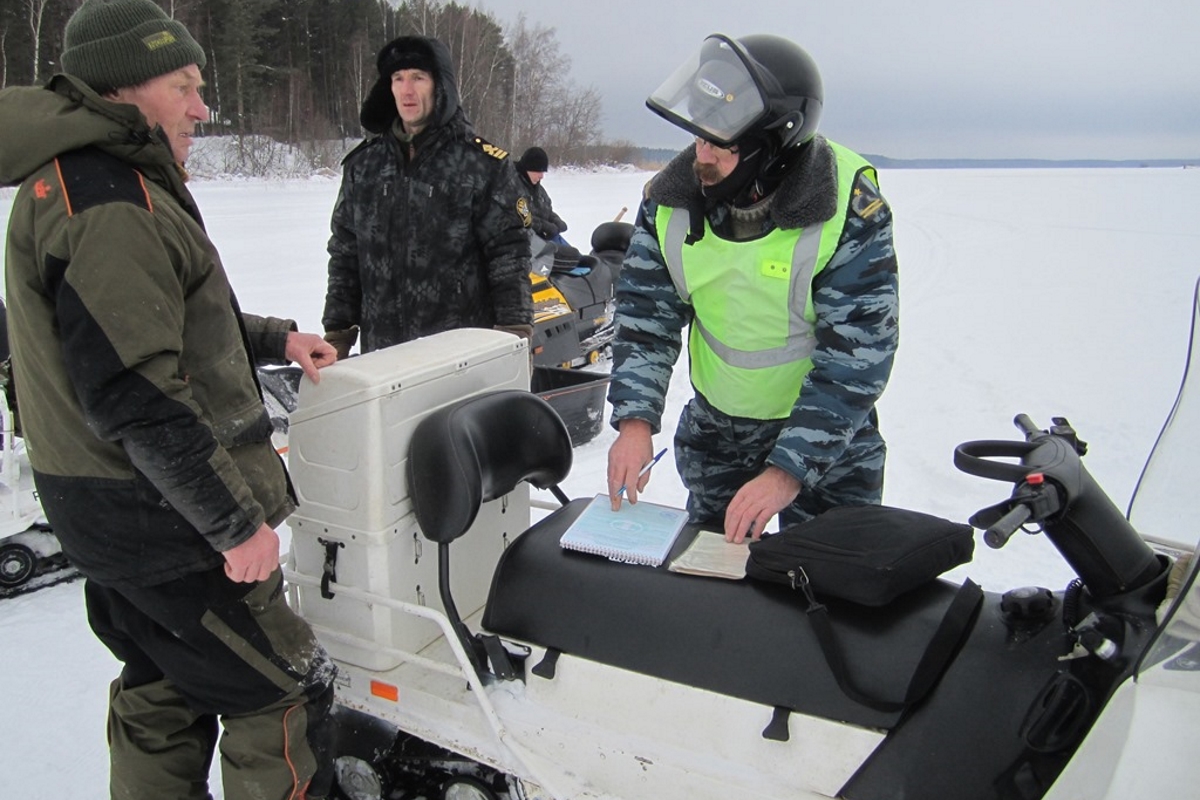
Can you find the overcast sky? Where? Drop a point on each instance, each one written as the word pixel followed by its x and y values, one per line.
pixel 933 79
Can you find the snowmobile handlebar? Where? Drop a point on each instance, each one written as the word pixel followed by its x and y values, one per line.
pixel 1026 425
pixel 1000 531
pixel 1053 489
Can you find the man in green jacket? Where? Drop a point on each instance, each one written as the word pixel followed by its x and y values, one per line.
pixel 149 442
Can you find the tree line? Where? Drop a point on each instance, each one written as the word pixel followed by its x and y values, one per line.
pixel 295 72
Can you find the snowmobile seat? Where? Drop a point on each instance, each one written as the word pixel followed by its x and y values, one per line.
pixel 612 236
pixel 588 291
pixel 478 449
pixel 474 450
pixel 745 639
pixel 610 240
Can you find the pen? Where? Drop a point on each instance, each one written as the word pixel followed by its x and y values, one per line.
pixel 645 469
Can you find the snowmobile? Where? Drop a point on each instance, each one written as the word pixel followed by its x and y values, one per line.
pixel 573 309
pixel 30 555
pixel 280 391
pixel 573 296
pixel 479 659
pixel 29 551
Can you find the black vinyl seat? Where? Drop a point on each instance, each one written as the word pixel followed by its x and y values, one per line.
pixel 473 451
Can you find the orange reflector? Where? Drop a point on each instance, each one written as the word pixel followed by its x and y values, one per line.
pixel 385 690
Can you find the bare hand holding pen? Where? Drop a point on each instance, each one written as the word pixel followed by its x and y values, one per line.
pixel 628 461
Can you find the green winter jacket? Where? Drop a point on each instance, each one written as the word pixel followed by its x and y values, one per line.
pixel 140 406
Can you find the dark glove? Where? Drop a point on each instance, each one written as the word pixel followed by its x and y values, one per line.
pixel 342 340
pixel 545 228
pixel 524 331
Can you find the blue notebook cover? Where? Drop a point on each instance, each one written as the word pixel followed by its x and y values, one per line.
pixel 640 533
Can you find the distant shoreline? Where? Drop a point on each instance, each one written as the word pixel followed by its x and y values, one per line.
pixel 659 155
pixel 1028 163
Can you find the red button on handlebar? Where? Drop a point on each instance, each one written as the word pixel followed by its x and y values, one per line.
pixel 1035 478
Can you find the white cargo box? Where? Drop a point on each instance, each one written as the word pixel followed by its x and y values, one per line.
pixel 348 457
pixel 348 437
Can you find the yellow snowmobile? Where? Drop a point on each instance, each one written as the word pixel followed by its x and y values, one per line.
pixel 573 296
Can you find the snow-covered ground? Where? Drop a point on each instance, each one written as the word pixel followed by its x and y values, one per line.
pixel 1050 292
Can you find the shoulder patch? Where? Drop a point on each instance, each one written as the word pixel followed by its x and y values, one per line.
pixel 491 149
pixel 865 199
pixel 90 178
pixel 523 211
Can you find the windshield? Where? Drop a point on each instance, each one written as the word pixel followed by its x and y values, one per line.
pixel 713 94
pixel 1165 508
pixel 1165 504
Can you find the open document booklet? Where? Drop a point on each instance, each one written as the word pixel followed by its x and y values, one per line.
pixel 640 533
pixel 644 533
pixel 710 555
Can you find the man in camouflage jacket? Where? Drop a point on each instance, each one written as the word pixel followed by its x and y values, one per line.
pixel 828 451
pixel 773 246
pixel 429 224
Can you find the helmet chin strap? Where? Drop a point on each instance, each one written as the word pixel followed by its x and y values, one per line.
pixel 760 168
pixel 728 190
pixel 749 167
pixel 725 191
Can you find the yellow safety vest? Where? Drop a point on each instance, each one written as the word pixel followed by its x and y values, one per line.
pixel 752 339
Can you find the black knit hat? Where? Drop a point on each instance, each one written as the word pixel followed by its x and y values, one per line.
pixel 534 160
pixel 111 44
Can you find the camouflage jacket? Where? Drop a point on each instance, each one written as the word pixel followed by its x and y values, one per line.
pixel 855 299
pixel 546 223
pixel 429 244
pixel 147 435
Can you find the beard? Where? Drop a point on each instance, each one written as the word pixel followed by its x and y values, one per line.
pixel 707 174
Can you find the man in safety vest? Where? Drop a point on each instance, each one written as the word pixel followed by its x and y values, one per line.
pixel 775 246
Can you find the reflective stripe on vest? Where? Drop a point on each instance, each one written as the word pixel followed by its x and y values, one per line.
pixel 752 336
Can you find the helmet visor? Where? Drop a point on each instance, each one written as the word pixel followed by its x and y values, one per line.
pixel 713 94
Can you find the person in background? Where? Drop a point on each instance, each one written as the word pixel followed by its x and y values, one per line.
pixel 148 439
pixel 532 166
pixel 551 251
pixel 429 226
pixel 774 245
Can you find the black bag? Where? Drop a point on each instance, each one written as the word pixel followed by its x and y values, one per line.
pixel 871 555
pixel 866 554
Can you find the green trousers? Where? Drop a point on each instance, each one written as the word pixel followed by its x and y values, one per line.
pixel 210 665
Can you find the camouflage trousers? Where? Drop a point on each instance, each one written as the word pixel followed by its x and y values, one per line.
pixel 716 455
pixel 203 650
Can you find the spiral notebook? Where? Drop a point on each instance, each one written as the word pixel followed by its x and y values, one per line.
pixel 640 533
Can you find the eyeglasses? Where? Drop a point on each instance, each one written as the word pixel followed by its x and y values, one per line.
pixel 702 142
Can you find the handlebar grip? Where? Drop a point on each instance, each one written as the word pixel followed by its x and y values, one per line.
pixel 1002 529
pixel 1026 425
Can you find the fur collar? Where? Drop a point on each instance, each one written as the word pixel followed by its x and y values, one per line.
pixel 806 196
